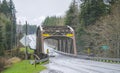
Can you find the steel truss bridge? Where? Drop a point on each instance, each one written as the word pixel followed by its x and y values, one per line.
pixel 64 35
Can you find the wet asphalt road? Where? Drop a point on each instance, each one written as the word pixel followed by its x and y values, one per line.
pixel 65 64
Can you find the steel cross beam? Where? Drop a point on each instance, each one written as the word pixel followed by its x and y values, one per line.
pixel 62 34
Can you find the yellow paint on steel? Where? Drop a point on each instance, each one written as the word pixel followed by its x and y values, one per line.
pixel 46 35
pixel 69 35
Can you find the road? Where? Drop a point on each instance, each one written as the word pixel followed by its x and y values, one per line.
pixel 65 64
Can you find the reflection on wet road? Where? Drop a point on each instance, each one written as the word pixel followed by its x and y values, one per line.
pixel 65 64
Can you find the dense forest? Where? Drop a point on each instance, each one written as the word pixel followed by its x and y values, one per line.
pixel 97 32
pixel 10 32
pixel 31 29
pixel 7 25
pixel 101 28
pixel 53 20
pixel 96 23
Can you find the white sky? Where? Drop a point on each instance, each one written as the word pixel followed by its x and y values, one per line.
pixel 35 11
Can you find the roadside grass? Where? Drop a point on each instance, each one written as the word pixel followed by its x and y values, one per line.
pixel 29 50
pixel 24 67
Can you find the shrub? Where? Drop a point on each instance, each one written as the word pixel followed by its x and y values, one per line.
pixel 2 63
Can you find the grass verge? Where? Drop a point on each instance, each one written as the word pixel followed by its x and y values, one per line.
pixel 24 67
pixel 29 50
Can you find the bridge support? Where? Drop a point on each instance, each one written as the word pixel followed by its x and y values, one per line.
pixel 58 45
pixel 74 44
pixel 66 46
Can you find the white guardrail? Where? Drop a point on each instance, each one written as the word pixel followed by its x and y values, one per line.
pixel 109 60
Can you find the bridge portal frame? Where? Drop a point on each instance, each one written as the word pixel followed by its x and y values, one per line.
pixel 56 32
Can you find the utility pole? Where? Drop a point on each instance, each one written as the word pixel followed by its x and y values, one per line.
pixel 26 49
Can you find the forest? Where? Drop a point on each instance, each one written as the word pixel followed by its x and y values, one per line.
pixel 96 24
pixel 97 32
pixel 7 26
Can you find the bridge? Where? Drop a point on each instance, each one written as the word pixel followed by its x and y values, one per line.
pixel 61 63
pixel 64 35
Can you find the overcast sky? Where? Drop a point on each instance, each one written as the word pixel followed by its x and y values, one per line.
pixel 35 11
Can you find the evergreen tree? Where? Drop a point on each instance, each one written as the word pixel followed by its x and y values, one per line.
pixel 31 29
pixel 13 22
pixel 9 21
pixel 91 10
pixel 4 37
pixel 8 36
pixel 1 41
pixel 5 8
pixel 7 25
pixel 72 15
pixel 53 20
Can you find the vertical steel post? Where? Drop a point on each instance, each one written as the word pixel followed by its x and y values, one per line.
pixel 42 40
pixel 74 44
pixel 26 50
pixel 42 43
pixel 66 46
pixel 71 46
pixel 58 45
pixel 62 45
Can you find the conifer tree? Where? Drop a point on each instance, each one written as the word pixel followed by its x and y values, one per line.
pixel 91 10
pixel 4 7
pixel 13 22
pixel 1 41
pixel 72 15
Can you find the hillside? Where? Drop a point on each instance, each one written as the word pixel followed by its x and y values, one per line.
pixel 106 31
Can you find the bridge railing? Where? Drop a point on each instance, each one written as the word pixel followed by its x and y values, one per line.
pixel 109 60
pixel 100 59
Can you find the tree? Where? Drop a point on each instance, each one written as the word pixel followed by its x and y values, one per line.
pixel 7 25
pixel 4 37
pixel 13 23
pixel 31 29
pixel 91 10
pixel 1 41
pixel 105 30
pixel 9 21
pixel 72 15
pixel 53 20
pixel 5 7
